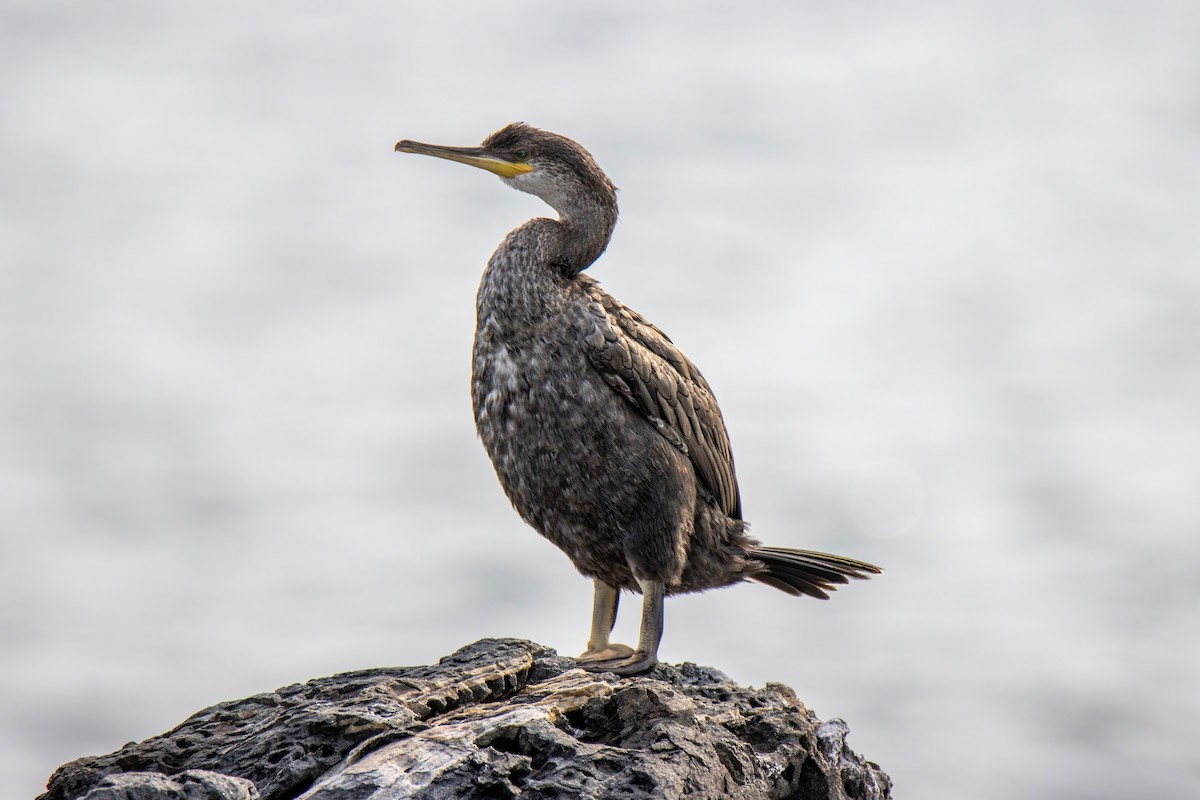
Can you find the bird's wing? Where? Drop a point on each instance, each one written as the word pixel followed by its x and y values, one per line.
pixel 642 364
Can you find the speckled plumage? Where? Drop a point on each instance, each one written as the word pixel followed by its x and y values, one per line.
pixel 605 437
pixel 556 405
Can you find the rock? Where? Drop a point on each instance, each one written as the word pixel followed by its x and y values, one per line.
pixel 192 784
pixel 500 718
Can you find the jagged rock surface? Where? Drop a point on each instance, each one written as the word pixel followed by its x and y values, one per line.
pixel 193 784
pixel 500 718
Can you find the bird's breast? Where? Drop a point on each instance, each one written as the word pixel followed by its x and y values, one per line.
pixel 534 387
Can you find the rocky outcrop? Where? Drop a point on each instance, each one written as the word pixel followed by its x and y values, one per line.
pixel 500 718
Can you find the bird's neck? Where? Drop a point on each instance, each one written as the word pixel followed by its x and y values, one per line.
pixel 582 232
pixel 528 275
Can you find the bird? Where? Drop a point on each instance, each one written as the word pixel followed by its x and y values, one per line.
pixel 605 437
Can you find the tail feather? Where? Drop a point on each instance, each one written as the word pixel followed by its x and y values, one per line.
pixel 805 572
pixel 802 583
pixel 767 579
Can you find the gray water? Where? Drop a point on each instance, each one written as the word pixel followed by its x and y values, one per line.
pixel 939 260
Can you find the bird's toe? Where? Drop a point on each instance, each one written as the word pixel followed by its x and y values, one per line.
pixel 611 652
pixel 635 664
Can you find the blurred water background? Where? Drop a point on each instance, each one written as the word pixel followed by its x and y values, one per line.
pixel 941 262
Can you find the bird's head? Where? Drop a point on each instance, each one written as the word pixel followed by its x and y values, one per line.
pixel 545 164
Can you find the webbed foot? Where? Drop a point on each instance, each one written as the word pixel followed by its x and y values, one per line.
pixel 635 664
pixel 610 652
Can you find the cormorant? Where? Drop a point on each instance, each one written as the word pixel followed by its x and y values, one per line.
pixel 605 436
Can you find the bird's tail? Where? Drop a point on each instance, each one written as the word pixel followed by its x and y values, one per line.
pixel 804 572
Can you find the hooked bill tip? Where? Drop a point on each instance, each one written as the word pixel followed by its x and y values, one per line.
pixel 404 146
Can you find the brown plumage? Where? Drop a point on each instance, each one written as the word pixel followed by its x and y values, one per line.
pixel 605 436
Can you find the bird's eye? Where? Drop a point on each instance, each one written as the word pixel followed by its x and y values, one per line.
pixel 522 155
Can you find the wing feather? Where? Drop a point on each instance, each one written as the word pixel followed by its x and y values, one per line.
pixel 644 366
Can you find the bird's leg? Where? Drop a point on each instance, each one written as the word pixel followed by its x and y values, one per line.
pixel 604 616
pixel 646 656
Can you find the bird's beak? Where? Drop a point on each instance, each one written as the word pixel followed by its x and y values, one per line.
pixel 475 156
